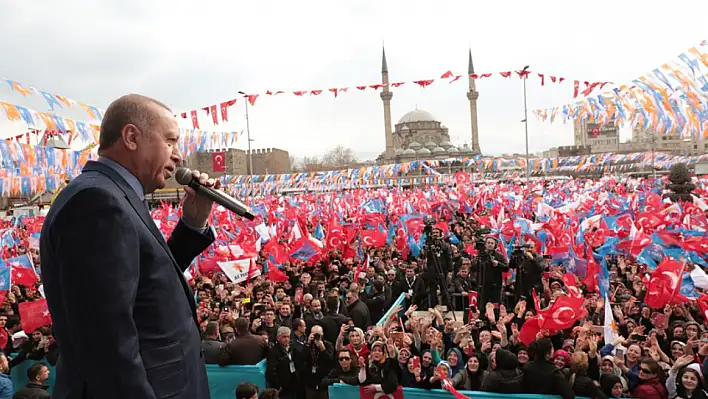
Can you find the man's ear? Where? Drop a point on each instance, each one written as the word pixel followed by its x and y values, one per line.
pixel 129 137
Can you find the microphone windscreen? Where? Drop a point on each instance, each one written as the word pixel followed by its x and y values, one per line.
pixel 183 176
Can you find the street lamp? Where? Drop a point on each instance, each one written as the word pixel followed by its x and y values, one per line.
pixel 526 128
pixel 248 134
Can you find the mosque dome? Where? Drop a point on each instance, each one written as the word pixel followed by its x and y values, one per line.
pixel 430 145
pixel 453 150
pixel 446 144
pixel 423 151
pixel 405 128
pixel 417 115
pixel 409 151
pixel 438 150
pixel 398 151
pixel 414 145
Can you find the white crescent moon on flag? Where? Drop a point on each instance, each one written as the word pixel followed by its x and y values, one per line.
pixel 560 310
pixel 381 395
pixel 673 278
pixel 367 240
pixel 219 159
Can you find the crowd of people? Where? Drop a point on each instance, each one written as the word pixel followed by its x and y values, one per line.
pixel 505 290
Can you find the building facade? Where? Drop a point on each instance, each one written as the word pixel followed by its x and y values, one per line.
pixel 418 134
pixel 236 162
pixel 600 138
pixel 649 139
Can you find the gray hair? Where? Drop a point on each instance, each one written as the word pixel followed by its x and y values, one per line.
pixel 283 331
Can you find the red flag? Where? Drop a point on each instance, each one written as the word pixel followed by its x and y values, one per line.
pixel 214 116
pixel 218 161
pixel 564 312
pixel 23 276
pixel 505 74
pixel 252 98
pixel 195 119
pixel 664 283
pixel 225 109
pixel 462 178
pixel 397 394
pixel 543 78
pixel 372 238
pixel 446 75
pixel 275 275
pixel 34 315
pixel 253 270
pixel 576 85
pixel 424 83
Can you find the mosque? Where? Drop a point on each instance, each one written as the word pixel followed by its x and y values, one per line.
pixel 418 134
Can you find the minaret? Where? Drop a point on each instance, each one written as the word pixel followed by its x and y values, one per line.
pixel 386 96
pixel 472 96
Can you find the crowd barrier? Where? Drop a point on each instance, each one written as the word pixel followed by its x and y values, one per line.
pixel 342 391
pixel 222 380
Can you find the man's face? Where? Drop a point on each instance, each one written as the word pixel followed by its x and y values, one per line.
pixel 410 272
pixel 285 310
pixel 269 316
pixel 44 374
pixel 156 152
pixel 463 272
pixel 3 321
pixel 284 340
pixel 350 298
pixel 316 306
pixel 490 244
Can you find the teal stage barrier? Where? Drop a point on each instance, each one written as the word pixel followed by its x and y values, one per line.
pixel 342 391
pixel 222 380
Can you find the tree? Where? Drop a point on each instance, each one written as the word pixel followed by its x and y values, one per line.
pixel 293 163
pixel 680 183
pixel 339 157
pixel 310 164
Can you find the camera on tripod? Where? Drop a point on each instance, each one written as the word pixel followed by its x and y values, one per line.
pixel 480 238
pixel 519 250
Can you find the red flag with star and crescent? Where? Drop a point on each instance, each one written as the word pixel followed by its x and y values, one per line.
pixel 34 315
pixel 397 394
pixel 218 161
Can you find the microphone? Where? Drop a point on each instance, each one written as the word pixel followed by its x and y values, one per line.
pixel 184 177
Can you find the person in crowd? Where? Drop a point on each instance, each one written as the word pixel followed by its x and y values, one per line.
pixel 269 393
pixel 332 322
pixel 37 375
pixel 376 301
pixel 650 381
pixel 281 370
pixel 542 377
pixel 317 360
pixel 246 390
pixel 211 346
pixel 346 371
pixel 471 377
pixel 412 285
pixel 506 377
pixel 246 348
pixel 6 387
pixel 379 373
pixel 582 384
pixel 529 267
pixel 358 311
pixel 267 323
pixel 490 265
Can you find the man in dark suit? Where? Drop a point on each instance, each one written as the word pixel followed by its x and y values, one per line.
pixel 246 348
pixel 123 313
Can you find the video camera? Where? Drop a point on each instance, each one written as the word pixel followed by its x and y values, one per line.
pixel 480 238
pixel 519 250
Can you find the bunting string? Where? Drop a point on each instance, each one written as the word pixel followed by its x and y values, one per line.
pixel 671 99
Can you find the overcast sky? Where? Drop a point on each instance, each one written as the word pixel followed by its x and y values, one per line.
pixel 192 54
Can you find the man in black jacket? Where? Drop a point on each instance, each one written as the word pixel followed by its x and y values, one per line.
pixel 212 347
pixel 317 360
pixel 332 321
pixel 281 372
pixel 376 301
pixel 529 269
pixel 541 376
pixel 38 374
pixel 490 266
pixel 358 310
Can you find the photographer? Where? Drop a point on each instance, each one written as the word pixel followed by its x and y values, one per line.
pixel 490 265
pixel 438 265
pixel 317 360
pixel 529 269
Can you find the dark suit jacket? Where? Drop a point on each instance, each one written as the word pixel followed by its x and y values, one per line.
pixel 245 349
pixel 123 314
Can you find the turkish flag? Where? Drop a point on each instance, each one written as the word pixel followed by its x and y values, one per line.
pixel 23 276
pixel 275 275
pixel 462 178
pixel 218 161
pixel 564 312
pixel 397 394
pixel 664 283
pixel 195 119
pixel 34 315
pixel 372 238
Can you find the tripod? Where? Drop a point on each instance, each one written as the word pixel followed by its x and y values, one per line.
pixel 433 252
